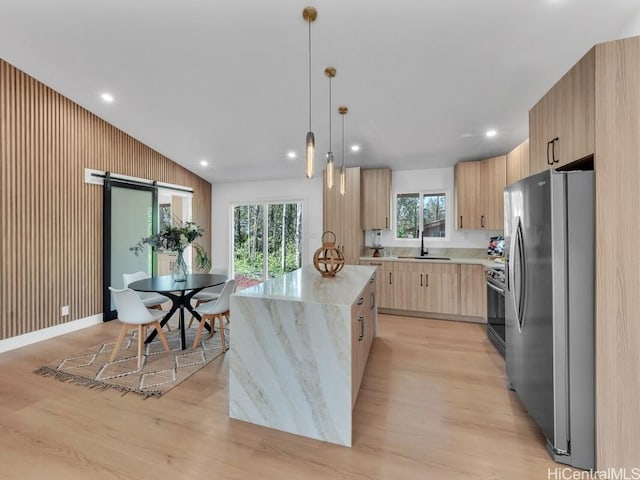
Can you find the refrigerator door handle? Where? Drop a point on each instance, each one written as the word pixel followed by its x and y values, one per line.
pixel 517 268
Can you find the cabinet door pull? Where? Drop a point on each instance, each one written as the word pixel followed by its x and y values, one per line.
pixel 553 151
pixel 421 280
pixel 549 162
pixel 482 221
pixel 375 263
pixel 360 301
pixel 427 275
pixel 372 279
pixel 373 300
pixel 361 320
pixel 387 222
pixel 460 221
pixel 390 278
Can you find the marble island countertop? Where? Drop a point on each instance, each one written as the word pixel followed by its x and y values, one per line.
pixel 308 286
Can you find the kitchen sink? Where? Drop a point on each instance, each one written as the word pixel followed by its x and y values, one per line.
pixel 427 257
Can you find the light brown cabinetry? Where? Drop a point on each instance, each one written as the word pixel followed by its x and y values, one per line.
pixel 605 121
pixel 363 329
pixel 562 123
pixel 427 287
pixel 479 188
pixel 467 193
pixel 384 281
pixel 518 163
pixel 473 293
pixel 341 215
pixel 376 199
pixel 493 179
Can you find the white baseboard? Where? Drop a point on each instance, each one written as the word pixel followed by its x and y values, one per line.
pixel 50 332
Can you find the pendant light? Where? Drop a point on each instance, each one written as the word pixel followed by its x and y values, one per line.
pixel 343 171
pixel 310 14
pixel 330 72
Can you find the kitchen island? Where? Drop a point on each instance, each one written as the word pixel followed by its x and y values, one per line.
pixel 299 346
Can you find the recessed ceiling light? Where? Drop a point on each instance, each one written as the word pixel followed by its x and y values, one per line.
pixel 204 163
pixel 107 97
pixel 491 133
pixel 355 148
pixel 291 155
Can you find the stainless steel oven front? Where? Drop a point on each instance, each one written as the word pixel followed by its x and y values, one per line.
pixel 495 308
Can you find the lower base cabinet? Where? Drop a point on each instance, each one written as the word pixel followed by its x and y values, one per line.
pixel 363 329
pixel 430 287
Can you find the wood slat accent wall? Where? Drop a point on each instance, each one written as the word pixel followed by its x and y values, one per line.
pixel 50 220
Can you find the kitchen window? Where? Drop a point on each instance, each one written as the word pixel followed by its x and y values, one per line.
pixel 416 212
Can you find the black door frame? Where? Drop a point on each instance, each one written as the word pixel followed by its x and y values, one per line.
pixel 109 183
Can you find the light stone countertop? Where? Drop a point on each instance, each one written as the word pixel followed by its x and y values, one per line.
pixel 459 260
pixel 308 286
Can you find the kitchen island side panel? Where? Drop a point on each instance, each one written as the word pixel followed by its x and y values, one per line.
pixel 290 366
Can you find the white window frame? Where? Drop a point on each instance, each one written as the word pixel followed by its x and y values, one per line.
pixel 421 193
pixel 265 204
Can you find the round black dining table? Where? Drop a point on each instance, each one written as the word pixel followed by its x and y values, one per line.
pixel 180 294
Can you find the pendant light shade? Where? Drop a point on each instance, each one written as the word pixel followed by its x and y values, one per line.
pixel 343 171
pixel 311 153
pixel 330 72
pixel 310 14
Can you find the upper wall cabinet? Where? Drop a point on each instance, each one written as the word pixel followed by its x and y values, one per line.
pixel 479 188
pixel 467 193
pixel 493 179
pixel 518 163
pixel 341 215
pixel 562 123
pixel 376 199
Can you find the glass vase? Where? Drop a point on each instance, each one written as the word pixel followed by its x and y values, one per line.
pixel 179 270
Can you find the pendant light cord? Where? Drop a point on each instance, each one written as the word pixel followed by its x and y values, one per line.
pixel 342 141
pixel 309 74
pixel 329 113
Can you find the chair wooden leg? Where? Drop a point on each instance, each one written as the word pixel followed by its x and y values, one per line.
pixel 158 328
pixel 141 329
pixel 116 348
pixel 212 322
pixel 223 338
pixel 199 332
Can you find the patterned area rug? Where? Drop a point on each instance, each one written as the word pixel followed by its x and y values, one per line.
pixel 160 371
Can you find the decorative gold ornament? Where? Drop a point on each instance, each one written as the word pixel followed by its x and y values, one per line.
pixel 328 259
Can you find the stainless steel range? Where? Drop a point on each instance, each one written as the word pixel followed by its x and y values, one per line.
pixel 495 307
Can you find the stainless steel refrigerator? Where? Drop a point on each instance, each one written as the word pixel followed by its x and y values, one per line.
pixel 549 244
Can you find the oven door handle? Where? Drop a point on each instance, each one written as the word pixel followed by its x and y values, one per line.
pixel 499 290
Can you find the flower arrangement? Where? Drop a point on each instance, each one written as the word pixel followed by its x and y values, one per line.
pixel 176 238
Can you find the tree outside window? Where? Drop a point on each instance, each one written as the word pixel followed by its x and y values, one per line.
pixel 416 212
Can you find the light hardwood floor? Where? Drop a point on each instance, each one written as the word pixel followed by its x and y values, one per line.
pixel 432 406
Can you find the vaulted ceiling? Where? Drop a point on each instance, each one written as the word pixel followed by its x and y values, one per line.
pixel 226 81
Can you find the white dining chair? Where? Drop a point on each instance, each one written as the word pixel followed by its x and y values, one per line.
pixel 216 309
pixel 150 299
pixel 132 313
pixel 209 294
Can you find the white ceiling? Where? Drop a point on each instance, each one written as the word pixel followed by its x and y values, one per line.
pixel 226 80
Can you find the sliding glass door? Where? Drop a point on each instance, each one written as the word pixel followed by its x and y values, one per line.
pixel 266 241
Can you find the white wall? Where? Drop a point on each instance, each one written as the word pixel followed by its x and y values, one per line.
pixel 225 195
pixel 633 27
pixel 433 180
